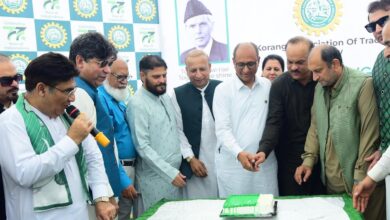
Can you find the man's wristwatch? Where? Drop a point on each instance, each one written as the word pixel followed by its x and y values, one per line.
pixel 101 199
pixel 188 159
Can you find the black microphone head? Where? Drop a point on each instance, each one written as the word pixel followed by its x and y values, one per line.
pixel 72 111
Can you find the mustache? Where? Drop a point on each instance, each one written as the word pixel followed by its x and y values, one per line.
pixel 13 89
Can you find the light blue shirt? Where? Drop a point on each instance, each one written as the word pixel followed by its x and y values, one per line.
pixel 153 127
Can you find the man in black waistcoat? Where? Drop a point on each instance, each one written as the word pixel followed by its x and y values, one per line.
pixel 193 103
pixel 9 87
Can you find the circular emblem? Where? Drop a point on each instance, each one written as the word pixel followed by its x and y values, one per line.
pixel 85 8
pixel 20 62
pixel 53 35
pixel 317 16
pixel 13 6
pixel 119 36
pixel 145 9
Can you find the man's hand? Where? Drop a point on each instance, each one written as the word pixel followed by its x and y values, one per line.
pixel 105 210
pixel 247 161
pixel 179 181
pixel 361 193
pixel 259 158
pixel 198 167
pixel 130 192
pixel 80 128
pixel 373 158
pixel 302 171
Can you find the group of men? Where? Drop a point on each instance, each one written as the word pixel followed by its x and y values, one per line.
pixel 315 130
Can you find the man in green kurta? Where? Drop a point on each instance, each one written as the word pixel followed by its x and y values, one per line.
pixel 151 116
pixel 378 14
pixel 344 127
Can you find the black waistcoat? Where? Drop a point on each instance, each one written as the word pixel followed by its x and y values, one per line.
pixel 190 102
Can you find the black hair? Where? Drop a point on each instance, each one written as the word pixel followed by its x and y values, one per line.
pixel 50 69
pixel 149 62
pixel 299 39
pixel 329 53
pixel 92 45
pixel 273 57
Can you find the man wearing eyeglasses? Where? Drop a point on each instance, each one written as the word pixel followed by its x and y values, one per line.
pixel 240 110
pixel 378 13
pixel 93 55
pixel 52 166
pixel 9 87
pixel 113 93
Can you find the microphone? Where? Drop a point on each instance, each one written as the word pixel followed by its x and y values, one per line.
pixel 99 136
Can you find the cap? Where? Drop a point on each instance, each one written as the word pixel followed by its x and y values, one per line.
pixel 195 8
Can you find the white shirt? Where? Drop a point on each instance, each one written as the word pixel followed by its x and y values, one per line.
pixel 22 168
pixel 240 114
pixel 381 168
pixel 200 187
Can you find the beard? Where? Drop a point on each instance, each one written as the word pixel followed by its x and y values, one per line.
pixel 153 88
pixel 119 95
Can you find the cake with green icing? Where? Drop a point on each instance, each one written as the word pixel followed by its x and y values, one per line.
pixel 249 206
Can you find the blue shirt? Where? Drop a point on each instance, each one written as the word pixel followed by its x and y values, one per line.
pixel 116 175
pixel 117 113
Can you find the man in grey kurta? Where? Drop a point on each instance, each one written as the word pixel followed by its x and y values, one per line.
pixel 153 126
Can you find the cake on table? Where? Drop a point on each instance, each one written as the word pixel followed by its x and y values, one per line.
pixel 250 206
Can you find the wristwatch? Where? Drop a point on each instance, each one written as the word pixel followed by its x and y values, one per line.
pixel 101 199
pixel 188 159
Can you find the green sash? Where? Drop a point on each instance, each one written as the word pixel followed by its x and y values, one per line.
pixel 52 192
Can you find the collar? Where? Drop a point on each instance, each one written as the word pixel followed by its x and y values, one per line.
pixel 204 88
pixel 338 85
pixel 149 94
pixel 239 84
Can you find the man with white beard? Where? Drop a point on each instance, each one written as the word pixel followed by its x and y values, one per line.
pixel 113 93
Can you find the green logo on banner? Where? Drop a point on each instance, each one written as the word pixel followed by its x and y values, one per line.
pixel 317 17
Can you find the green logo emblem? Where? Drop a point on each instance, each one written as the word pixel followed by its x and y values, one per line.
pixel 317 16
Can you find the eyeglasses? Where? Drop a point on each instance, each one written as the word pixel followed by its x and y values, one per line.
pixel 69 92
pixel 250 65
pixel 103 63
pixel 8 80
pixel 121 77
pixel 371 27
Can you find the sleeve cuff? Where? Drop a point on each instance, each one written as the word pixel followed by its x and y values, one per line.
pixel 309 162
pixel 100 190
pixel 359 175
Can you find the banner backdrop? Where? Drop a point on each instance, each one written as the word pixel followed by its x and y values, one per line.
pixel 138 27
pixel 30 28
pixel 269 24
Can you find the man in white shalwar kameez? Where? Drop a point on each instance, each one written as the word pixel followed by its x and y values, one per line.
pixel 49 162
pixel 240 110
pixel 195 122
